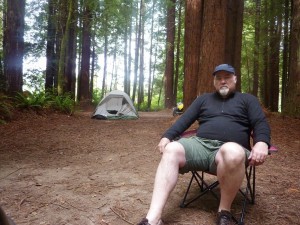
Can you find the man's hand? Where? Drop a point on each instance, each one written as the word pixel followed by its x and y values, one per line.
pixel 258 154
pixel 162 144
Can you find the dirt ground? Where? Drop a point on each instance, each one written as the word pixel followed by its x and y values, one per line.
pixel 59 169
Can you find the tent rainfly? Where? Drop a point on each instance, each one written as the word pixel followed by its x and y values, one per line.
pixel 115 105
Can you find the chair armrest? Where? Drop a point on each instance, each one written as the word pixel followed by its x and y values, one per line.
pixel 273 149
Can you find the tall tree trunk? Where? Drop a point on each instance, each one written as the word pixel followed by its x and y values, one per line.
pixel 94 58
pixel 51 57
pixel 234 31
pixel 193 25
pixel 256 49
pixel 292 104
pixel 286 50
pixel 103 92
pixel 13 45
pixel 177 62
pixel 150 56
pixel 129 58
pixel 169 69
pixel 65 20
pixel 113 68
pixel 220 40
pixel 84 76
pixel 265 87
pixel 142 76
pixel 276 27
pixel 125 57
pixel 137 49
pixel 70 71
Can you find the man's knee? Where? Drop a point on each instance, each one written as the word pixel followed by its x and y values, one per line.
pixel 174 151
pixel 232 153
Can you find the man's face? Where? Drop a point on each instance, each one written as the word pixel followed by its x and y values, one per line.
pixel 224 83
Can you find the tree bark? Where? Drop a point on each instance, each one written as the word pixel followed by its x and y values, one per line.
pixel 169 69
pixel 13 45
pixel 177 62
pixel 275 36
pixel 256 49
pixel 84 76
pixel 220 40
pixel 286 51
pixel 193 25
pixel 292 104
pixel 141 66
pixel 51 58
pixel 70 71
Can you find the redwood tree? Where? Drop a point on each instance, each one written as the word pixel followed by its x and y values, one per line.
pixel 51 57
pixel 169 69
pixel 292 103
pixel 83 85
pixel 193 21
pixel 13 44
pixel 213 32
pixel 221 35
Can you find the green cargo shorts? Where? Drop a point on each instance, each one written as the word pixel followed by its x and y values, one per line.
pixel 200 154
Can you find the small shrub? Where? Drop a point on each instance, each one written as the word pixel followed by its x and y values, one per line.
pixel 63 103
pixel 6 108
pixel 34 101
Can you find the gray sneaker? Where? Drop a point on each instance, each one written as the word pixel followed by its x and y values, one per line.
pixel 145 222
pixel 224 218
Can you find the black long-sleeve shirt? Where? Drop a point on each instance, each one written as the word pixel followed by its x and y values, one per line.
pixel 225 119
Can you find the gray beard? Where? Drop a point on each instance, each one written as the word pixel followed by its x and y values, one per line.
pixel 224 91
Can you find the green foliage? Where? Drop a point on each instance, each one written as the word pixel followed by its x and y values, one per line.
pixel 39 100
pixel 63 103
pixel 96 96
pixel 34 101
pixel 34 79
pixel 5 108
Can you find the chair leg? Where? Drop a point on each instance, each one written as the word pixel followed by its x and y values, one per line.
pixel 249 194
pixel 204 188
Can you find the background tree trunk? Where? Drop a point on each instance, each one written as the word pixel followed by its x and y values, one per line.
pixel 141 66
pixel 151 70
pixel 286 51
pixel 137 49
pixel 220 40
pixel 13 45
pixel 169 69
pixel 70 72
pixel 192 34
pixel 292 104
pixel 256 49
pixel 275 29
pixel 51 57
pixel 177 62
pixel 84 76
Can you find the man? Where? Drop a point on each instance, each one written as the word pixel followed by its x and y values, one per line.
pixel 221 145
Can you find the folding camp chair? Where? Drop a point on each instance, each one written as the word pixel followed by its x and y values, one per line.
pixel 248 193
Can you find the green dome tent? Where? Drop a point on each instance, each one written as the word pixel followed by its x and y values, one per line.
pixel 115 105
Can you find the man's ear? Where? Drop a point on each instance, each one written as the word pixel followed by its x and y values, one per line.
pixel 235 79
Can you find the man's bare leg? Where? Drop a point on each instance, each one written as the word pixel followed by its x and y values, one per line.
pixel 165 180
pixel 230 162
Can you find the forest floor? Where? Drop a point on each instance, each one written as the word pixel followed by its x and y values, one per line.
pixel 60 170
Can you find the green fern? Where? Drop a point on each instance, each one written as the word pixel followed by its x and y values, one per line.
pixel 63 103
pixel 34 101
